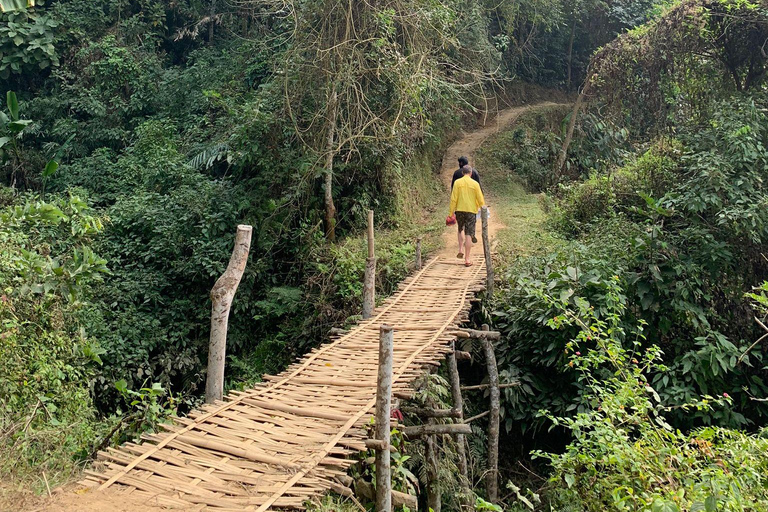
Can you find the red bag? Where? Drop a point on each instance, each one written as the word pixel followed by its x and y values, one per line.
pixel 450 220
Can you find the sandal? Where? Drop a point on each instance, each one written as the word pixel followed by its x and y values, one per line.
pixel 460 255
pixel 468 263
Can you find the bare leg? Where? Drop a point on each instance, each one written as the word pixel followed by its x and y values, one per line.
pixel 467 248
pixel 461 242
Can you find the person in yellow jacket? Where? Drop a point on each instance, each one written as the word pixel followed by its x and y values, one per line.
pixel 466 199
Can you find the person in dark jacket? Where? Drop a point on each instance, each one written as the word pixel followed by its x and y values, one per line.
pixel 457 175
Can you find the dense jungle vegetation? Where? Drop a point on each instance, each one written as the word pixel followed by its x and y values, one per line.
pixel 135 134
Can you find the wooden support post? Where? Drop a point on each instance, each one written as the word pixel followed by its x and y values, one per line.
pixel 434 501
pixel 418 253
pixel 382 431
pixel 458 405
pixel 369 281
pixel 221 297
pixel 492 475
pixel 487 252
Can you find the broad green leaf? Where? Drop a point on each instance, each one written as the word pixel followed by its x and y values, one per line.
pixel 710 504
pixel 13 105
pixel 50 168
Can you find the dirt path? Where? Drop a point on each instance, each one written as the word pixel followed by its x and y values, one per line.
pixel 466 146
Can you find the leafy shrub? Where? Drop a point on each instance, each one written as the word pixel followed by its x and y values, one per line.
pixel 624 454
pixel 26 42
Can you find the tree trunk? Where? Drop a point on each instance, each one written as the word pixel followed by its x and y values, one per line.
pixel 212 15
pixel 571 125
pixel 492 476
pixel 369 279
pixel 382 427
pixel 418 253
pixel 330 208
pixel 570 52
pixel 221 296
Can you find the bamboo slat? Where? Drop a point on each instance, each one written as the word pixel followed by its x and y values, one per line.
pixel 286 439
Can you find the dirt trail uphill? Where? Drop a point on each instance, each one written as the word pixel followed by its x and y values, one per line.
pixel 287 439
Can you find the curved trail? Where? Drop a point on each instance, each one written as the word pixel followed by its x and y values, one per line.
pixel 285 441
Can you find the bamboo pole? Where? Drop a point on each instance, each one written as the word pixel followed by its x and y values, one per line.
pixel 221 296
pixel 418 253
pixel 382 432
pixel 487 252
pixel 369 281
pixel 492 476
pixel 458 405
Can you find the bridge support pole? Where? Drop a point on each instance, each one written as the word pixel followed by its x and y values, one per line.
pixel 418 253
pixel 221 296
pixel 369 281
pixel 487 252
pixel 492 475
pixel 383 411
pixel 458 405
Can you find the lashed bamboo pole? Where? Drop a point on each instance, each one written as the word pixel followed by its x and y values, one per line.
pixel 369 281
pixel 221 296
pixel 487 252
pixel 492 475
pixel 382 432
pixel 458 405
pixel 418 253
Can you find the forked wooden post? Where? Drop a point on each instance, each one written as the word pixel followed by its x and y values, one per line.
pixel 492 476
pixel 418 253
pixel 221 296
pixel 382 431
pixel 487 252
pixel 369 281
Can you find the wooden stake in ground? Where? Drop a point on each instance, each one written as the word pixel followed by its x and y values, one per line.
pixel 382 431
pixel 369 281
pixel 492 476
pixel 221 296
pixel 487 252
pixel 418 253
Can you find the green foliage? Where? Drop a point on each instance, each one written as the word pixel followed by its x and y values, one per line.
pixel 26 42
pixel 47 271
pixel 624 454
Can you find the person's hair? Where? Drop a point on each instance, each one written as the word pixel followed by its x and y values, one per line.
pixel 466 170
pixel 463 161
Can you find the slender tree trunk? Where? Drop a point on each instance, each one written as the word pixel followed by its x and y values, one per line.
pixel 570 52
pixel 330 208
pixel 221 295
pixel 458 405
pixel 212 15
pixel 571 125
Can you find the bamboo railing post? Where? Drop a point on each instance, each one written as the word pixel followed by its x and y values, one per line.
pixel 458 405
pixel 492 476
pixel 434 501
pixel 418 253
pixel 221 297
pixel 382 431
pixel 487 252
pixel 369 281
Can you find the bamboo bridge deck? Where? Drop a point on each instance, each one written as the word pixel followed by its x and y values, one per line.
pixel 287 439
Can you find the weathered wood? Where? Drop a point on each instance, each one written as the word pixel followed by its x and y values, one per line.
pixel 492 475
pixel 330 207
pixel 369 280
pixel 221 296
pixel 426 430
pixel 383 411
pixel 462 355
pixel 418 253
pixel 458 405
pixel 399 499
pixel 487 252
pixel 474 334
pixel 376 444
pixel 428 412
pixel 487 385
pixel 477 417
pixel 434 501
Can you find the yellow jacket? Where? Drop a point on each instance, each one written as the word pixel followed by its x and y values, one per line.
pixel 466 195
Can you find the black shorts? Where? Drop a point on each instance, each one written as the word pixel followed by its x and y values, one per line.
pixel 466 222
